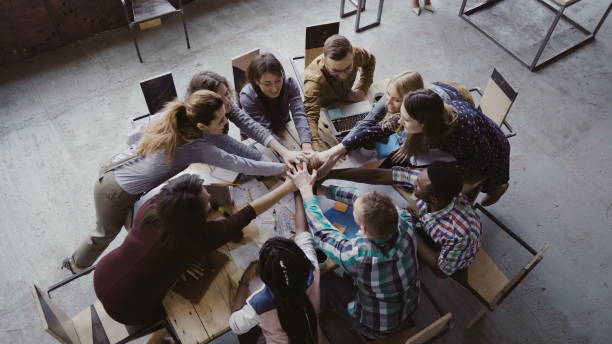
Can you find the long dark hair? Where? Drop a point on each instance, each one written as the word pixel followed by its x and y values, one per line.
pixel 427 108
pixel 264 63
pixel 285 270
pixel 180 209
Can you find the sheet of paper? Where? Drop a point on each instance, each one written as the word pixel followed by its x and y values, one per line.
pixel 225 175
pixel 245 254
pixel 248 191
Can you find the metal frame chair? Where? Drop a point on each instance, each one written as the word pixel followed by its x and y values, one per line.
pixel 315 38
pixel 157 91
pixel 497 100
pixel 360 6
pixel 562 5
pixel 145 10
pixel 240 64
pixel 92 325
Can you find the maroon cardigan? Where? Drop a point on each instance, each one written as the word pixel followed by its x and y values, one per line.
pixel 132 280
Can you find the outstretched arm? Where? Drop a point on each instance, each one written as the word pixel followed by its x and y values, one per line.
pixel 266 201
pixel 363 175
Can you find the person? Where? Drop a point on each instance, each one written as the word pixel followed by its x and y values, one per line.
pixel 383 120
pixel 269 97
pixel 286 307
pixel 481 149
pixel 330 79
pixel 170 233
pixel 185 133
pixel 451 230
pixel 380 260
pixel 414 4
pixel 208 80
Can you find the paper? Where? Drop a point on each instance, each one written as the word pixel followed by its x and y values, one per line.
pixel 245 254
pixel 343 220
pixel 247 192
pixel 225 175
pixel 277 221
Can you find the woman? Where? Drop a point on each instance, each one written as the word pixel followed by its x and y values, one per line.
pixel 170 233
pixel 480 147
pixel 270 96
pixel 414 4
pixel 186 132
pixel 212 81
pixel 371 129
pixel 286 307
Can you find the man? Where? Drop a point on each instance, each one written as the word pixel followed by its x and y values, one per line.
pixel 451 226
pixel 330 79
pixel 382 292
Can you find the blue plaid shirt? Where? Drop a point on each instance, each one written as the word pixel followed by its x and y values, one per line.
pixel 384 270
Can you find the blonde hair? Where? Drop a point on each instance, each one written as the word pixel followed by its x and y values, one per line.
pixel 406 81
pixel 178 124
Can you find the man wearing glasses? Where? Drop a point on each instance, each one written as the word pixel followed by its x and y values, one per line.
pixel 330 80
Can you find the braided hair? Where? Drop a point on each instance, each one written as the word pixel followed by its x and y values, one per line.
pixel 285 270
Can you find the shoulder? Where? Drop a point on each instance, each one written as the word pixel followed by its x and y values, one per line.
pixel 313 72
pixel 249 91
pixel 262 300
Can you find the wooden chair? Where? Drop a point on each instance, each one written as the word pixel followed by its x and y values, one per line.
pixel 157 91
pixel 497 99
pixel 92 325
pixel 139 12
pixel 360 6
pixel 315 38
pixel 414 335
pixel 240 64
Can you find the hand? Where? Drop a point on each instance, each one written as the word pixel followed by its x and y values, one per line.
pixel 356 95
pixel 293 157
pixel 316 159
pixel 195 271
pixel 413 209
pixel 400 156
pixel 494 196
pixel 301 178
pixel 326 167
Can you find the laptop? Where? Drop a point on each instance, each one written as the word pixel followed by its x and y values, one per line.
pixel 344 118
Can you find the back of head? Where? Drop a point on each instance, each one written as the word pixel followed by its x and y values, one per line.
pixel 285 270
pixel 178 123
pixel 207 80
pixel 427 107
pixel 446 180
pixel 181 210
pixel 378 214
pixel 336 47
pixel 264 63
pixel 406 81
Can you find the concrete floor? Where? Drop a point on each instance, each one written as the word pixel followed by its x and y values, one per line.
pixel 63 113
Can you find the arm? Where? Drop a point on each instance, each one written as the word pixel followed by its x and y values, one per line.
pixel 301 225
pixel 368 128
pixel 213 155
pixel 243 316
pixel 367 63
pixel 249 126
pixel 298 114
pixel 266 201
pixel 429 256
pixel 379 176
pixel 312 106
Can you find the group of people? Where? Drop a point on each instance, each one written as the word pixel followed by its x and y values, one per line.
pixel 451 148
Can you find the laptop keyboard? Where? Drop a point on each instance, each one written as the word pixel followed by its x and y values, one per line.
pixel 347 123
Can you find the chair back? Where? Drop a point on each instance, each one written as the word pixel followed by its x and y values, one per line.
pixel 315 38
pixel 158 91
pixel 431 331
pixel 485 279
pixel 497 98
pixel 240 64
pixel 55 321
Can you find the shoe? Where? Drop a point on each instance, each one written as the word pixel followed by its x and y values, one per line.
pixel 69 265
pixel 429 8
pixel 417 10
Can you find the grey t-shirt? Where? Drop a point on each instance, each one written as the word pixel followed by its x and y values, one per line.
pixel 142 174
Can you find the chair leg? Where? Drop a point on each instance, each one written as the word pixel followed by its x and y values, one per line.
pixel 133 33
pixel 546 38
pixel 476 317
pixel 185 28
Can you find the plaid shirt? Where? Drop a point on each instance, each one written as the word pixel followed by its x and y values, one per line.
pixel 384 270
pixel 456 227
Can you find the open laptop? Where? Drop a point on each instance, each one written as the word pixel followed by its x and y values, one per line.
pixel 344 118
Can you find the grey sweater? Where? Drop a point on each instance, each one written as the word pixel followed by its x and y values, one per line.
pixel 142 174
pixel 291 101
